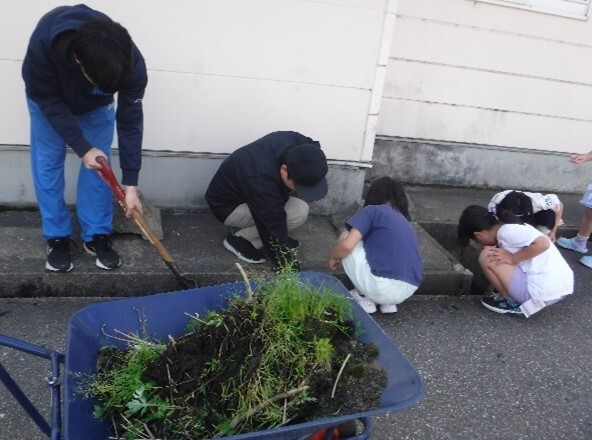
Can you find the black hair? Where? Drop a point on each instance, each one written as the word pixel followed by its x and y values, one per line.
pixel 516 207
pixel 104 50
pixel 473 219
pixel 387 190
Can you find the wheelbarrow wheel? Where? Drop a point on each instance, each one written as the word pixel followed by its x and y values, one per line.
pixel 345 431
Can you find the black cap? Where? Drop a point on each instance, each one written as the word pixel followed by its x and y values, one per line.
pixel 307 167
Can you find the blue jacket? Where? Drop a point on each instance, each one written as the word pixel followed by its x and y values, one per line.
pixel 251 175
pixel 57 85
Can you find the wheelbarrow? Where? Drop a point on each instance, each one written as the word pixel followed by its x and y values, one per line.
pixel 167 315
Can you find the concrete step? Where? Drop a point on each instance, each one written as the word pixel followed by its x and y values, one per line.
pixel 193 238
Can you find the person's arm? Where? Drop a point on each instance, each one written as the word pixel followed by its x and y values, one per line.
pixel 130 130
pixel 130 121
pixel 270 218
pixel 501 256
pixel 132 200
pixel 43 88
pixel 558 221
pixel 267 202
pixel 345 244
pixel 581 158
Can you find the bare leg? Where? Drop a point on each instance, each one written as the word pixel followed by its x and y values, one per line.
pixel 586 223
pixel 499 276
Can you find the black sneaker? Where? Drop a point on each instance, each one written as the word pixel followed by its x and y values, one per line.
pixel 498 304
pixel 100 247
pixel 243 249
pixel 58 255
pixel 292 243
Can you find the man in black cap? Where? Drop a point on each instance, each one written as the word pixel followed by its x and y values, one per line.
pixel 251 193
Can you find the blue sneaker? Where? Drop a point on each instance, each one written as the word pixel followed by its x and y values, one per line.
pixel 586 261
pixel 498 304
pixel 570 243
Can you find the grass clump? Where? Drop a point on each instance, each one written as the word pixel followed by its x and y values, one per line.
pixel 119 384
pixel 251 366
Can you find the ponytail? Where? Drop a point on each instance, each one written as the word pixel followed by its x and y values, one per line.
pixel 515 208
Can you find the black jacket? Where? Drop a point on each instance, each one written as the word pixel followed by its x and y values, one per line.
pixel 251 175
pixel 57 85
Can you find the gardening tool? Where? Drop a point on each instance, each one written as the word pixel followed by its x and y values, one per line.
pixel 107 175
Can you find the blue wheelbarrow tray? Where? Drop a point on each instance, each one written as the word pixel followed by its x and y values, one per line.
pixel 165 314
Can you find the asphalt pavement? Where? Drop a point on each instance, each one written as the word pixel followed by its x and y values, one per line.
pixel 487 376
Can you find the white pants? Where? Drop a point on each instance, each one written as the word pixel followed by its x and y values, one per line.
pixel 377 289
pixel 296 215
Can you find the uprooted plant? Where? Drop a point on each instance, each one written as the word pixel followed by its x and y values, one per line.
pixel 268 359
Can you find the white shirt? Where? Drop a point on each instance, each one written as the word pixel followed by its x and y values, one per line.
pixel 540 202
pixel 548 275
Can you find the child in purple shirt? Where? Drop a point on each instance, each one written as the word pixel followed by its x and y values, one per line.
pixel 379 251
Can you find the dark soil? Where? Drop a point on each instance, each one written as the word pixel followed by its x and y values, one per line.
pixel 179 372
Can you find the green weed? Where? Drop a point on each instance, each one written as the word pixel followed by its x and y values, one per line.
pixel 287 327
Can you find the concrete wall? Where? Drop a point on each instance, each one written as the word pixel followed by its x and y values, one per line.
pixel 169 180
pixel 487 76
pixel 446 163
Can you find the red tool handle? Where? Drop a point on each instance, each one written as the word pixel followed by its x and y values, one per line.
pixel 324 434
pixel 107 175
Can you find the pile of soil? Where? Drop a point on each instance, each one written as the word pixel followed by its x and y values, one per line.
pixel 234 345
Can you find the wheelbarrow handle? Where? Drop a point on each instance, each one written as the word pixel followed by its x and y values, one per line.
pixel 106 173
pixel 52 429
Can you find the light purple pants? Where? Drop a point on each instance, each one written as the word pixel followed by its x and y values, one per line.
pixel 518 288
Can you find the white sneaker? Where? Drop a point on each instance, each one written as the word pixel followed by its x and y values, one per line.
pixel 368 306
pixel 388 308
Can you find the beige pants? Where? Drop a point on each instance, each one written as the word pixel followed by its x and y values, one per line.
pixel 241 218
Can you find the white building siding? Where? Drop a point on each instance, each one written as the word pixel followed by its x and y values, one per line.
pixel 225 72
pixel 13 109
pixel 218 114
pixel 478 73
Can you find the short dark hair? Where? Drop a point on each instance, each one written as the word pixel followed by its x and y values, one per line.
pixel 104 50
pixel 515 207
pixel 386 189
pixel 473 219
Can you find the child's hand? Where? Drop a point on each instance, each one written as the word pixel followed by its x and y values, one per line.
pixel 496 256
pixel 334 263
pixel 580 158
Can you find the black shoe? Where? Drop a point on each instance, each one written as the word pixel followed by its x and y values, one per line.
pixel 292 243
pixel 100 247
pixel 58 255
pixel 243 249
pixel 498 304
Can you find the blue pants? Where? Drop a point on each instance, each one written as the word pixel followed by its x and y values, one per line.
pixel 94 203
